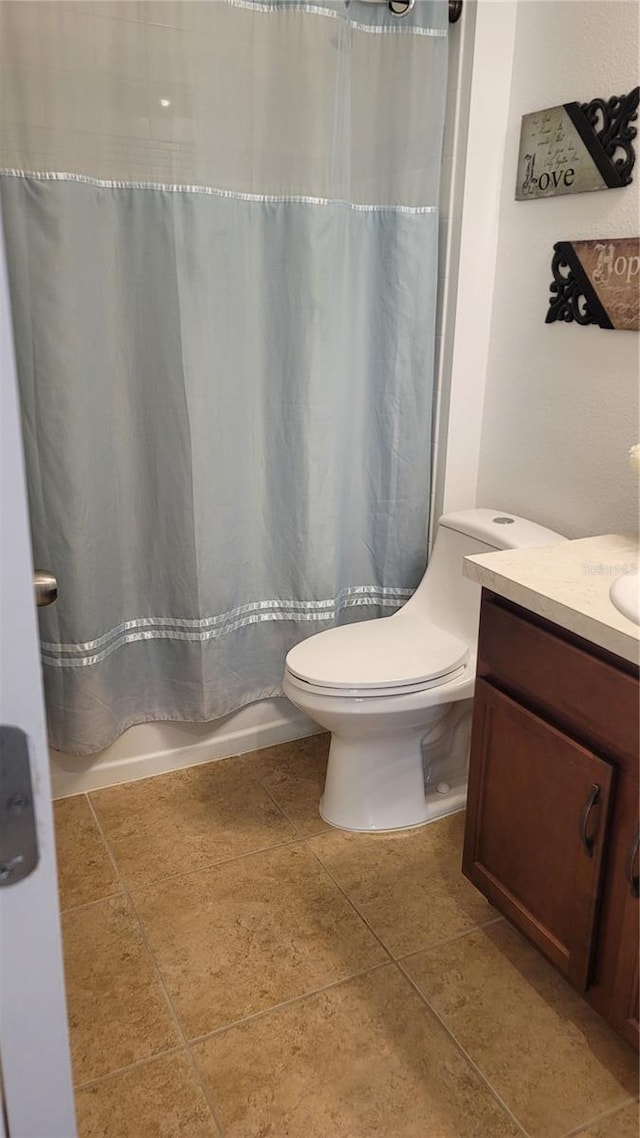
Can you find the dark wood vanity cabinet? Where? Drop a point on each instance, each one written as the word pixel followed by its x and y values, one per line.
pixel 551 833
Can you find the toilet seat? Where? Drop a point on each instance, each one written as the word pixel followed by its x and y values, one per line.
pixel 388 691
pixel 391 656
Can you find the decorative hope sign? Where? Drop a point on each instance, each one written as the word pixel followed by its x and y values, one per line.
pixel 577 147
pixel 596 282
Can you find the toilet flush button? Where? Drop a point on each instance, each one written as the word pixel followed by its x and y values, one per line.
pixel 504 521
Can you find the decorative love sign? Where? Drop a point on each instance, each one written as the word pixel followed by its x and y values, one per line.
pixel 596 282
pixel 577 147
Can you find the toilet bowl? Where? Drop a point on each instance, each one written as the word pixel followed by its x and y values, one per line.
pixel 395 692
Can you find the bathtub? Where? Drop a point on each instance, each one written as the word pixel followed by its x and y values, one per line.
pixel 152 748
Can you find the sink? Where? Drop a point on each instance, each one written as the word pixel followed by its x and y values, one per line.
pixel 625 594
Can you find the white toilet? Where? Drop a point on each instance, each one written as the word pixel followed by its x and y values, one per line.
pixel 396 692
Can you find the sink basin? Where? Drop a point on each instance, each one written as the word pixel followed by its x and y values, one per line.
pixel 625 594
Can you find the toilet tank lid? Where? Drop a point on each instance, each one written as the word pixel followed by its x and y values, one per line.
pixel 500 528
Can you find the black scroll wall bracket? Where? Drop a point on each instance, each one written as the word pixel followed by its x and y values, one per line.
pixel 604 126
pixel 572 296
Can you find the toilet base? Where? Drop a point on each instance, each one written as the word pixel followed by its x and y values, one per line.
pixel 377 785
pixel 436 809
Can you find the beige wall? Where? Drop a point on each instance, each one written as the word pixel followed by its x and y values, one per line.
pixel 561 401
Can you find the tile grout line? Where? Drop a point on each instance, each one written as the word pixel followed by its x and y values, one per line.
pixel 437 944
pixel 404 973
pixel 305 842
pixel 177 1050
pixel 349 901
pixel 298 838
pixel 89 904
pixel 302 840
pixel 392 956
pixel 172 1011
pixel 161 881
pixel 306 839
pixel 578 1130
pixel 465 1055
pixel 295 837
pixel 282 810
pixel 260 779
pixel 289 1003
pixel 300 835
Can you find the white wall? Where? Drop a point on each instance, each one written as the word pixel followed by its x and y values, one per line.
pixel 561 401
pixel 454 155
pixel 462 394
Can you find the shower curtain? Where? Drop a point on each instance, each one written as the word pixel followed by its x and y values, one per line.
pixel 221 226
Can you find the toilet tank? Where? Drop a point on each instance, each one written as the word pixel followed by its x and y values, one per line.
pixel 447 598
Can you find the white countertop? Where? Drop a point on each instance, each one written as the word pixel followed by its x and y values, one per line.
pixel 568 584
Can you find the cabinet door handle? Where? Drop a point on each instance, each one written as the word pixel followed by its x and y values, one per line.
pixel 587 842
pixel 633 878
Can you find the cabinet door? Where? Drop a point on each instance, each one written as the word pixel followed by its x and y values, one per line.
pixel 537 815
pixel 624 1007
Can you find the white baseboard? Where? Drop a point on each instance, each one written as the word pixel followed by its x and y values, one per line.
pixel 155 748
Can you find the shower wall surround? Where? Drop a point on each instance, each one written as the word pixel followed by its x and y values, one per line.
pixel 221 223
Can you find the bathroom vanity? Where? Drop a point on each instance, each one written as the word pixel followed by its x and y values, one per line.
pixel 552 833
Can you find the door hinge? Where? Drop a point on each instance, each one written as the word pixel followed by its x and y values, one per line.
pixel 18 837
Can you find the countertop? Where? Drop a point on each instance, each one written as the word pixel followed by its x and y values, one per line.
pixel 568 584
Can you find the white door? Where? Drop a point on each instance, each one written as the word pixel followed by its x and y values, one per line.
pixel 35 1065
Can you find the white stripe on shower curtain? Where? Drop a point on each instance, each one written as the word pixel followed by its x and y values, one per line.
pixel 221 226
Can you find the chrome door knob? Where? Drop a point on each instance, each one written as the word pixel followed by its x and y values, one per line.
pixel 46 588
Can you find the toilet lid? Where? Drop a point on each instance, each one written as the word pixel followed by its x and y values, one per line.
pixel 391 652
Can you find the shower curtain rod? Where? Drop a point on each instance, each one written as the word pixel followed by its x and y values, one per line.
pixel 401 7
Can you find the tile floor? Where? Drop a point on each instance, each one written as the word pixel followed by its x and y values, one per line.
pixel 235 967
